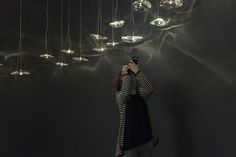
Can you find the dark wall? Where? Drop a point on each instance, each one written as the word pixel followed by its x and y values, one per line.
pixel 69 112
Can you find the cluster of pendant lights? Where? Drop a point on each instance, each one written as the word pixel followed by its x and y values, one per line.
pixel 137 6
pixel 99 38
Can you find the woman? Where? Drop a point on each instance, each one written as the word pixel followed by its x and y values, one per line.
pixel 136 137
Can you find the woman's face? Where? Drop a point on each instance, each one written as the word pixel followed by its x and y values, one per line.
pixel 124 69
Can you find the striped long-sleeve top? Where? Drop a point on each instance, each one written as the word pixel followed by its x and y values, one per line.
pixel 122 96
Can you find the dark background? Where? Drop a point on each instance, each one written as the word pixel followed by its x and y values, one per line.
pixel 67 112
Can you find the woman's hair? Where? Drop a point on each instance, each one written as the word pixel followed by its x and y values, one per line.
pixel 117 82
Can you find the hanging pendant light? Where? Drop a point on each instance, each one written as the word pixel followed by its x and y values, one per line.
pixel 80 57
pixel 47 54
pixel 170 4
pixel 132 36
pixel 68 37
pixel 19 67
pixel 99 38
pixel 141 5
pixel 61 62
pixel 116 23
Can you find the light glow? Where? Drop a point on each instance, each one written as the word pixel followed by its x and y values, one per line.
pixel 117 24
pixel 100 49
pixel 160 22
pixel 46 56
pixel 142 6
pixel 132 39
pixel 81 59
pixel 20 72
pixel 68 51
pixel 170 4
pixel 98 37
pixel 61 64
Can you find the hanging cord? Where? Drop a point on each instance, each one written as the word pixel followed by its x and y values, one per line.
pixel 20 57
pixel 61 58
pixel 68 26
pixel 62 45
pixel 132 19
pixel 80 30
pixel 100 19
pixel 46 31
pixel 112 10
pixel 157 8
pixel 116 8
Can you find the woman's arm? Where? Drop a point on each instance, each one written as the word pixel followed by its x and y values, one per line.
pixel 145 87
pixel 123 95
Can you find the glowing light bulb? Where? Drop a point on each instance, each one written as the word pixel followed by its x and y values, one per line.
pixel 160 22
pixel 132 39
pixel 100 49
pixel 20 72
pixel 68 51
pixel 61 64
pixel 142 5
pixel 117 24
pixel 81 59
pixel 98 37
pixel 169 4
pixel 112 43
pixel 46 56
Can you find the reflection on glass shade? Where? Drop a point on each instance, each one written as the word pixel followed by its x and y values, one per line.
pixel 169 4
pixel 46 56
pixel 112 43
pixel 117 24
pixel 69 51
pixel 61 64
pixel 142 5
pixel 1 64
pixel 20 72
pixel 98 37
pixel 81 59
pixel 160 22
pixel 100 49
pixel 131 39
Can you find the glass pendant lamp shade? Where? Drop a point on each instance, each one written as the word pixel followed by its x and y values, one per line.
pixel 46 56
pixel 80 59
pixel 68 51
pixel 141 5
pixel 169 4
pixel 117 24
pixel 20 72
pixel 112 43
pixel 98 37
pixel 100 49
pixel 131 38
pixel 61 64
pixel 159 22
